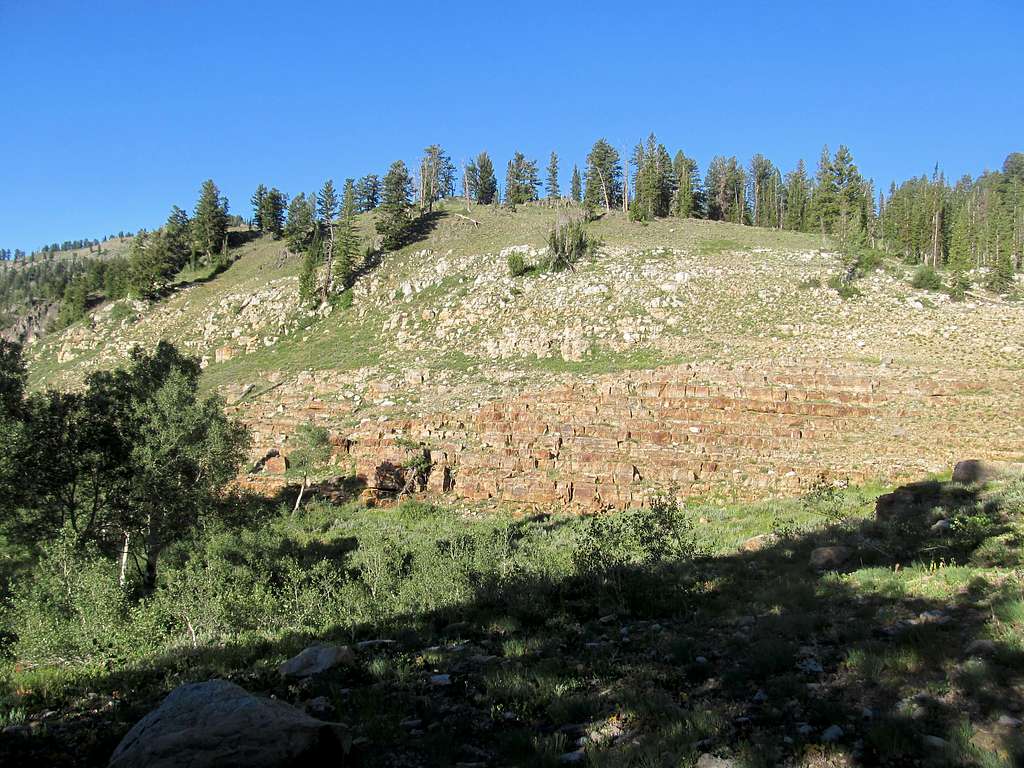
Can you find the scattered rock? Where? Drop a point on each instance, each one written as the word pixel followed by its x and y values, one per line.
pixel 317 659
pixel 219 724
pixel 934 742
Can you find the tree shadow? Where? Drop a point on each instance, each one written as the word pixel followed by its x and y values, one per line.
pixel 754 655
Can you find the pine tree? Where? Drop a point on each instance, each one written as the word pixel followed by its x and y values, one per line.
pixel 348 237
pixel 725 190
pixel 797 196
pixel 437 176
pixel 393 224
pixel 310 268
pixel 368 193
pixel 301 223
pixel 327 210
pixel 824 207
pixel 470 181
pixel 257 206
pixel 521 180
pixel 604 175
pixel 576 187
pixel 272 212
pixel 487 182
pixel 150 265
pixel 686 202
pixel 210 221
pixel 177 232
pixel 552 180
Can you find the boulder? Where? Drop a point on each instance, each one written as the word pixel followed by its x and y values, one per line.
pixel 979 471
pixel 710 761
pixel 217 723
pixel 275 465
pixel 829 558
pixel 317 659
pixel 758 543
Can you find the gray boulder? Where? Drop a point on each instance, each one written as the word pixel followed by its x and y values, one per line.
pixel 217 723
pixel 829 558
pixel 316 659
pixel 979 471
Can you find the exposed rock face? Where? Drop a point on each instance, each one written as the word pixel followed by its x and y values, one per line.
pixel 316 659
pixel 218 724
pixel 610 440
pixel 33 324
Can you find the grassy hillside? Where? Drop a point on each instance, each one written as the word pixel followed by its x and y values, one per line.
pixel 665 292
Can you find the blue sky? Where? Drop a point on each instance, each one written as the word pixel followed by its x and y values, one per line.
pixel 112 111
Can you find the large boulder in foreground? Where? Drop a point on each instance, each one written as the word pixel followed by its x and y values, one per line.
pixel 217 723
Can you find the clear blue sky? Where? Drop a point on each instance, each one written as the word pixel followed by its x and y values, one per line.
pixel 113 111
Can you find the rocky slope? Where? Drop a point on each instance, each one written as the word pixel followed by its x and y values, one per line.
pixel 439 334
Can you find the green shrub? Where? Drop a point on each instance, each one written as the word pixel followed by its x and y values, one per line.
pixel 926 278
pixel 517 266
pixel 72 611
pixel 844 286
pixel 959 284
pixel 568 242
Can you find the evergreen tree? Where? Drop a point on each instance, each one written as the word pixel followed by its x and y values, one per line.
pixel 368 193
pixel 521 180
pixel 654 181
pixel 603 177
pixel 301 223
pixel 272 212
pixel 393 224
pixel 764 192
pixel 257 206
pixel 437 176
pixel 552 180
pixel 210 221
pixel 177 232
pixel 311 262
pixel 725 189
pixel 576 187
pixel 824 207
pixel 327 210
pixel 470 181
pixel 797 196
pixel 487 182
pixel 685 202
pixel 348 237
pixel 151 265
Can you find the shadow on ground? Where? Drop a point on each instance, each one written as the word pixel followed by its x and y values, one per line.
pixel 901 656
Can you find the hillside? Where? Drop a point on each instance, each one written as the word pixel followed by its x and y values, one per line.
pixel 760 376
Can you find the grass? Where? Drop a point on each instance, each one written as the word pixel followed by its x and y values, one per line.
pixel 755 647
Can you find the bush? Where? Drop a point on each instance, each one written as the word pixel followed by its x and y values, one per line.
pixel 517 266
pixel 958 286
pixel 72 611
pixel 844 286
pixel 926 278
pixel 617 555
pixel 569 242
